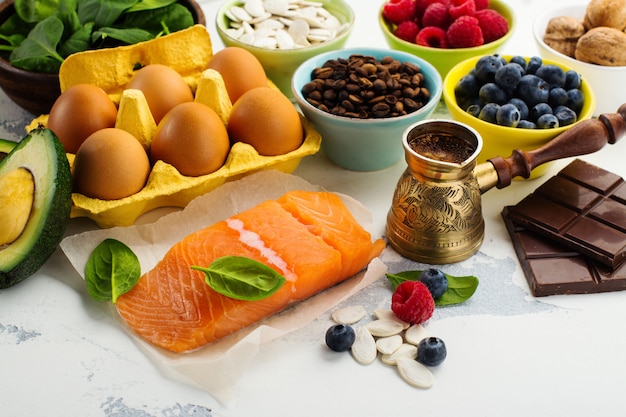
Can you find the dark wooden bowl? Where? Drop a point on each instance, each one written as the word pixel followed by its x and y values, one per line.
pixel 36 92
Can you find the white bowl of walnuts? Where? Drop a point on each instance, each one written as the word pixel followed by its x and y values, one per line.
pixel 590 38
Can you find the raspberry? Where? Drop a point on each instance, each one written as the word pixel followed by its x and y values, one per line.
pixel 407 31
pixel 460 8
pixel 481 4
pixel 412 302
pixel 432 36
pixel 493 24
pixel 464 32
pixel 436 15
pixel 399 11
pixel 421 5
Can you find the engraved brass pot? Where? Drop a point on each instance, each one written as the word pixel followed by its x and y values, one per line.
pixel 436 214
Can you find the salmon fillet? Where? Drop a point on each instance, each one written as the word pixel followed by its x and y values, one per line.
pixel 311 238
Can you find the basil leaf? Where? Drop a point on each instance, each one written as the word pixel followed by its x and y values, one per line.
pixel 112 270
pixel 242 278
pixel 460 289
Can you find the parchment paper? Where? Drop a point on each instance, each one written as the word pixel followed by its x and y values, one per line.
pixel 218 367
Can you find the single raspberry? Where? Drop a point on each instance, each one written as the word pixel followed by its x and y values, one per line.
pixel 407 31
pixel 432 36
pixel 460 8
pixel 481 4
pixel 412 302
pixel 436 15
pixel 421 5
pixel 399 11
pixel 464 32
pixel 493 24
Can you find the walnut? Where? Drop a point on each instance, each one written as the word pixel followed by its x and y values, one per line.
pixel 562 34
pixel 602 46
pixel 609 13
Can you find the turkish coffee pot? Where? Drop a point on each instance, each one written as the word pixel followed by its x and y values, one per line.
pixel 436 213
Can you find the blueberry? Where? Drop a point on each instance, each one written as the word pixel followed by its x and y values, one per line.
pixel 533 64
pixel 435 280
pixel 557 97
pixel 521 106
pixel 467 87
pixel 431 351
pixel 575 100
pixel 508 115
pixel 547 121
pixel 572 79
pixel 507 76
pixel 554 75
pixel 486 68
pixel 565 115
pixel 526 124
pixel 488 112
pixel 533 90
pixel 519 60
pixel 474 109
pixel 539 110
pixel 492 93
pixel 340 337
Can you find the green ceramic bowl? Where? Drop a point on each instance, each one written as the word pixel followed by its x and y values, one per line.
pixel 445 59
pixel 502 140
pixel 280 64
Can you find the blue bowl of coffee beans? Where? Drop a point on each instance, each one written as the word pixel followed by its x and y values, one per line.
pixel 516 102
pixel 362 99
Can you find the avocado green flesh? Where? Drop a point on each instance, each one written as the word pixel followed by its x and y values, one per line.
pixel 43 155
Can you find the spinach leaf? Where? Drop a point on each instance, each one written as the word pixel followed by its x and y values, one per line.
pixel 128 36
pixel 38 50
pixel 242 278
pixel 78 41
pixel 173 17
pixel 103 12
pixel 149 5
pixel 35 10
pixel 112 270
pixel 460 289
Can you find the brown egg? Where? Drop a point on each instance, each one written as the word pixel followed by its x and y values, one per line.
pixel 240 70
pixel 78 112
pixel 111 164
pixel 163 87
pixel 266 119
pixel 192 138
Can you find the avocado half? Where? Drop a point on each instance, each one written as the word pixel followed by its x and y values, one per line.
pixel 35 203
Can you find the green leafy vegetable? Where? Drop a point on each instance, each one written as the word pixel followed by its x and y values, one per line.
pixel 460 289
pixel 42 33
pixel 112 270
pixel 242 278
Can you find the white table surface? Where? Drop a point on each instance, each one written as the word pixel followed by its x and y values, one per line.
pixel 509 354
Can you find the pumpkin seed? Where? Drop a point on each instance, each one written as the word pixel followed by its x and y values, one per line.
pixel 415 334
pixel 388 345
pixel 415 373
pixel 364 347
pixel 406 350
pixel 348 315
pixel 384 327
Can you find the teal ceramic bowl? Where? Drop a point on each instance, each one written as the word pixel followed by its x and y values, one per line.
pixel 280 64
pixel 445 59
pixel 364 144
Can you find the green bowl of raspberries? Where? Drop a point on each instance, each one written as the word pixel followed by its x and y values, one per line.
pixel 446 32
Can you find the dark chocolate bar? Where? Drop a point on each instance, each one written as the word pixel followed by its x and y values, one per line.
pixel 583 207
pixel 552 269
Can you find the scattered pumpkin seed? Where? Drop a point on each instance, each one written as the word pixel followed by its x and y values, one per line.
pixel 388 345
pixel 384 327
pixel 348 315
pixel 415 334
pixel 364 347
pixel 406 350
pixel 415 373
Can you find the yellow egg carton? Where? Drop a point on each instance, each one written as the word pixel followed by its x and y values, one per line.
pixel 188 52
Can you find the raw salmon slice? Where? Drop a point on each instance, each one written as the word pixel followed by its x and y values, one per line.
pixel 314 243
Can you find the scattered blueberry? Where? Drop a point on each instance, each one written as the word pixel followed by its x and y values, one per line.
pixel 435 280
pixel 508 115
pixel 340 337
pixel 431 351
